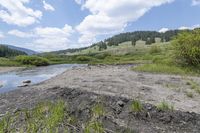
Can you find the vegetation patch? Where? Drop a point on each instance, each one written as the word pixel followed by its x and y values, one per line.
pixel 189 94
pixel 8 62
pixel 187 47
pixel 160 68
pixel 32 60
pixel 194 86
pixel 136 106
pixel 164 106
pixel 45 117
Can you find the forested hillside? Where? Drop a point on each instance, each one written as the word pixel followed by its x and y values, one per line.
pixel 5 51
pixel 147 36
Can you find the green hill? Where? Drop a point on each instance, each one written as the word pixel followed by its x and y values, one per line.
pixel 5 51
pixel 124 41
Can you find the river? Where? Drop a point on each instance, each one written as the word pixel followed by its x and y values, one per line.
pixel 12 80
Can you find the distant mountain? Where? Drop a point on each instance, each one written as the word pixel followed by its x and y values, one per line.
pixel 5 51
pixel 27 51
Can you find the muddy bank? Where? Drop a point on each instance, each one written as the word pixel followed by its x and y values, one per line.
pixel 118 116
pixel 9 69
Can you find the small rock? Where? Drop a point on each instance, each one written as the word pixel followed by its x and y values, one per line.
pixel 16 110
pixel 27 81
pixel 1 84
pixel 1 115
pixel 120 103
pixel 23 85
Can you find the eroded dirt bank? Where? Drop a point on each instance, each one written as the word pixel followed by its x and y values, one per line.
pixel 79 87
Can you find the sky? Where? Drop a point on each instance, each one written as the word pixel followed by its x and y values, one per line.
pixel 50 25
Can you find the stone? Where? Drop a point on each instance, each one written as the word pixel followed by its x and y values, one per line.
pixel 23 85
pixel 120 103
pixel 27 81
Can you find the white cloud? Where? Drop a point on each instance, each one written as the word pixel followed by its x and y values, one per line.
pixel 15 12
pixel 79 1
pixel 113 16
pixel 189 27
pixel 163 30
pixel 20 34
pixel 195 2
pixel 47 38
pixel 47 6
pixel 1 35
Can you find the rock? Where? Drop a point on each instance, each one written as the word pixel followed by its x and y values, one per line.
pixel 16 110
pixel 27 81
pixel 120 103
pixel 1 115
pixel 1 84
pixel 23 85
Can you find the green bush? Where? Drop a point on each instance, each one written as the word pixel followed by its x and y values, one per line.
pixel 155 49
pixel 32 60
pixel 187 47
pixel 83 58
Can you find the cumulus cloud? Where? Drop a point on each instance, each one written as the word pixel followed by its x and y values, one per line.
pixel 189 27
pixel 195 2
pixel 113 16
pixel 1 35
pixel 47 6
pixel 163 30
pixel 47 38
pixel 15 12
pixel 79 1
pixel 21 34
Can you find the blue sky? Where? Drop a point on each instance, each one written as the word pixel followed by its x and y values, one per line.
pixel 49 25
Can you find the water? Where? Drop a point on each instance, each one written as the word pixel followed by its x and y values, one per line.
pixel 14 79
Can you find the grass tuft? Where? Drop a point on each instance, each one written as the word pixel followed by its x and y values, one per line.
pixel 164 106
pixel 136 106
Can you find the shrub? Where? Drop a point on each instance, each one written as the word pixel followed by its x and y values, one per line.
pixel 187 47
pixel 83 58
pixel 155 49
pixel 32 60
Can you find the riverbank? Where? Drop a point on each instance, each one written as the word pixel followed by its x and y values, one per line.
pixel 82 87
pixel 9 69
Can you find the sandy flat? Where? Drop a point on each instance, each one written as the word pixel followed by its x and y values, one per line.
pixel 9 69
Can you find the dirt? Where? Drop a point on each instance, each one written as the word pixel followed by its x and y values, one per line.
pixel 80 87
